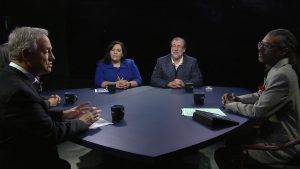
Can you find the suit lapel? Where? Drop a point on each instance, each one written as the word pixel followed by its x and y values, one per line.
pixel 274 69
pixel 181 68
pixel 25 79
pixel 28 82
pixel 170 68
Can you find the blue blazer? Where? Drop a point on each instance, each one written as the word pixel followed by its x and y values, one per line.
pixel 128 71
pixel 164 71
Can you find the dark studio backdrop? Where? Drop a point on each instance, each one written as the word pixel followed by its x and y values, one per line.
pixel 221 34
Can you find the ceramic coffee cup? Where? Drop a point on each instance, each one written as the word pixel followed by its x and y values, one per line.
pixel 111 87
pixel 117 112
pixel 199 98
pixel 70 97
pixel 189 87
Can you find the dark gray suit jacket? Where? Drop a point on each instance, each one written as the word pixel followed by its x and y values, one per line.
pixel 29 133
pixel 164 71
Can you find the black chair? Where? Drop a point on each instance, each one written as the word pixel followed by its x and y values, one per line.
pixel 4 55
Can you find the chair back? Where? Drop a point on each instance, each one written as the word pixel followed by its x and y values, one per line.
pixel 4 55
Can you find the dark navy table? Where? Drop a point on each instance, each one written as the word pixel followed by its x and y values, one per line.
pixel 153 126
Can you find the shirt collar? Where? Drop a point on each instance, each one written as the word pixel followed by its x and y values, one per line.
pixel 281 63
pixel 278 65
pixel 178 64
pixel 29 75
pixel 122 64
pixel 12 64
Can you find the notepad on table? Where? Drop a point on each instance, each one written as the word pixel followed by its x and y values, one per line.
pixel 101 90
pixel 190 111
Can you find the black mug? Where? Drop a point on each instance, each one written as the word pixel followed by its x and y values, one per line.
pixel 199 98
pixel 70 97
pixel 117 112
pixel 189 87
pixel 111 87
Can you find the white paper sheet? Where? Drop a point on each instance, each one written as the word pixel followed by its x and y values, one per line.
pixel 101 90
pixel 99 123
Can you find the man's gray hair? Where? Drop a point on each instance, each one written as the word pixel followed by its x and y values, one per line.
pixel 179 38
pixel 24 38
pixel 289 41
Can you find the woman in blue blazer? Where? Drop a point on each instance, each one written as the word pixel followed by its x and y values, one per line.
pixel 114 67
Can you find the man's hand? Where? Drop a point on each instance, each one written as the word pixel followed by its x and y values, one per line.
pixel 79 111
pixel 54 100
pixel 176 83
pixel 90 116
pixel 229 98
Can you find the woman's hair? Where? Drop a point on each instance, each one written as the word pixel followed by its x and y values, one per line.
pixel 289 41
pixel 107 58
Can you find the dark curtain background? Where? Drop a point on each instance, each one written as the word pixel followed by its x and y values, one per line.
pixel 221 34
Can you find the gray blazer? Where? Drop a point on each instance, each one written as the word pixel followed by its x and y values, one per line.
pixel 279 106
pixel 164 71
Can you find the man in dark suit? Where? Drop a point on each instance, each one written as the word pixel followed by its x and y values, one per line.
pixel 176 68
pixel 51 101
pixel 29 132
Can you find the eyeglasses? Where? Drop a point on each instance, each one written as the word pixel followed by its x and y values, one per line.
pixel 178 46
pixel 267 45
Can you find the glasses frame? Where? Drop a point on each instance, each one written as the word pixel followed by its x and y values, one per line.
pixel 265 45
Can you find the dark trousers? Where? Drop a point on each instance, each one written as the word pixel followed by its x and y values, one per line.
pixel 230 157
pixel 27 163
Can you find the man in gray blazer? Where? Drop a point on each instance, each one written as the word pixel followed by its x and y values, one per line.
pixel 176 68
pixel 29 131
pixel 276 105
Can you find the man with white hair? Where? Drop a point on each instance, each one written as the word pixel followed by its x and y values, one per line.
pixel 29 132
